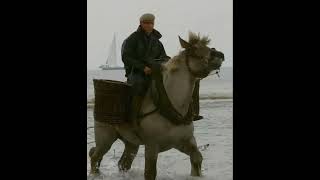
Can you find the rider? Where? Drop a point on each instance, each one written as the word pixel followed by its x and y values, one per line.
pixel 139 50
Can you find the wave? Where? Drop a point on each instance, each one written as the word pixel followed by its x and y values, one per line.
pixel 216 98
pixel 213 96
pixel 90 106
pixel 90 101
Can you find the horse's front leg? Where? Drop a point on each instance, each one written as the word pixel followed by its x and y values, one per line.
pixel 196 161
pixel 151 156
pixel 190 148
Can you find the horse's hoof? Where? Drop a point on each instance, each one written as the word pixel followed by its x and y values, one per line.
pixel 125 163
pixel 123 170
pixel 95 172
pixel 124 167
pixel 196 171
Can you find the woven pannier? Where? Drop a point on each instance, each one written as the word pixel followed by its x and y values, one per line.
pixel 112 101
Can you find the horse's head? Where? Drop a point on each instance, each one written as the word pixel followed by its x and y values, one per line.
pixel 215 60
pixel 200 59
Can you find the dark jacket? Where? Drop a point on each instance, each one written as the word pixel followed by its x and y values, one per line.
pixel 139 50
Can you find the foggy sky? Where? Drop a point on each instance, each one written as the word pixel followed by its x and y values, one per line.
pixel 173 18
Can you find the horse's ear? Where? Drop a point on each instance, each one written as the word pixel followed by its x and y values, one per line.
pixel 184 43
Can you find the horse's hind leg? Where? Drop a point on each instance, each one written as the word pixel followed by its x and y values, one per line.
pixel 190 148
pixel 128 156
pixel 151 156
pixel 105 136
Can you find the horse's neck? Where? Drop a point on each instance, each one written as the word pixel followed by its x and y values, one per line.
pixel 179 87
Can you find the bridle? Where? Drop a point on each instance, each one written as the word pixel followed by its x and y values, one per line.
pixel 197 74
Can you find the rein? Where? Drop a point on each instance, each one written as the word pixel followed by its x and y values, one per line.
pixel 164 105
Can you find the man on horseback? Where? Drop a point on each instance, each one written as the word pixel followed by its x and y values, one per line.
pixel 139 51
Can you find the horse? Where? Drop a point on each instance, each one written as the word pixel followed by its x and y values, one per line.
pixel 158 133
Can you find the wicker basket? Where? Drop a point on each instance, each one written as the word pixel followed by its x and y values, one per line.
pixel 112 101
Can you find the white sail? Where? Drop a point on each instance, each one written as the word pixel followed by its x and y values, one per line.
pixel 112 57
pixel 119 59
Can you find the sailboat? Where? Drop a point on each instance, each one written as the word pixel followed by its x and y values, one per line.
pixel 112 59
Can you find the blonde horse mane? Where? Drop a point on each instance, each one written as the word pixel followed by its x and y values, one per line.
pixel 194 39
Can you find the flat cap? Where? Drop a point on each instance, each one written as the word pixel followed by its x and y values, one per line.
pixel 147 17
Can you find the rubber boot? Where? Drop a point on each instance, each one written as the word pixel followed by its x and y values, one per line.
pixel 136 104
